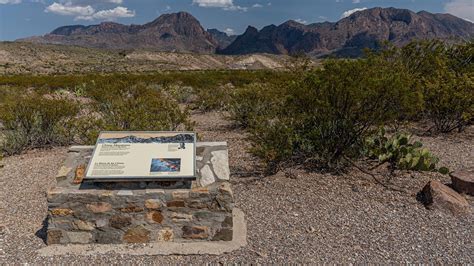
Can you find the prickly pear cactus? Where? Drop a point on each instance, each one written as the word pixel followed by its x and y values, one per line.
pixel 401 152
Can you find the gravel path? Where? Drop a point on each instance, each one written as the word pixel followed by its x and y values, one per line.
pixel 307 218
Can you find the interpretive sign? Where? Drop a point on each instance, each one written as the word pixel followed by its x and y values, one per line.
pixel 143 156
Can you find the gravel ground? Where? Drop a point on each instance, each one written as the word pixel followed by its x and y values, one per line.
pixel 308 218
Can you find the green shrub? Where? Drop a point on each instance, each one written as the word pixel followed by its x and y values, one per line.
pixel 445 74
pixel 401 152
pixel 325 115
pixel 138 108
pixel 252 101
pixel 34 121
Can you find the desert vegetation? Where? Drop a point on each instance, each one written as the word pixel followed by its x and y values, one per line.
pixel 323 117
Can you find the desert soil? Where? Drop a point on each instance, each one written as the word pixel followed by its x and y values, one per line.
pixel 298 217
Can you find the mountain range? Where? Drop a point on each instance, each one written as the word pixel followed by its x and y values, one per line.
pixel 181 32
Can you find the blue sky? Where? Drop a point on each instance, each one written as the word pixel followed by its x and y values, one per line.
pixel 22 18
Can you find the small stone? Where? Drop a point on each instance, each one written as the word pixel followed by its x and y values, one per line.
pixel 165 234
pixel 199 192
pixel 137 234
pixel 119 221
pixel 101 222
pixel 207 176
pixel 61 212
pixel 180 194
pixel 79 174
pixel 224 234
pixel 83 225
pixel 220 164
pixel 438 196
pixel 124 192
pixel 99 207
pixel 131 208
pixel 463 181
pixel 228 221
pixel 63 172
pixel 79 237
pixel 175 203
pixel 180 217
pixel 108 236
pixel 54 237
pixel 195 232
pixel 153 204
pixel 155 217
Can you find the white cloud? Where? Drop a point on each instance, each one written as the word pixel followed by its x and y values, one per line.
pixel 322 17
pixel 224 4
pixel 229 31
pixel 302 21
pixel 352 11
pixel 109 14
pixel 89 2
pixel 10 2
pixel 355 1
pixel 257 5
pixel 461 8
pixel 70 10
pixel 88 12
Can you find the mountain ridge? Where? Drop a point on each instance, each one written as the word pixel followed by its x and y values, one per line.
pixel 182 32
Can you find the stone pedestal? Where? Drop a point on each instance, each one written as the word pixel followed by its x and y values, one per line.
pixel 142 212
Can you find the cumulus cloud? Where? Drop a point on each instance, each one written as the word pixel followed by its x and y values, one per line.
pixel 224 4
pixel 352 11
pixel 355 1
pixel 70 10
pixel 302 21
pixel 88 12
pixel 109 14
pixel 257 5
pixel 461 8
pixel 10 2
pixel 229 31
pixel 89 2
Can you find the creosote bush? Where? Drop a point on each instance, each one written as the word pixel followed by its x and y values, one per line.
pixel 34 121
pixel 323 115
pixel 37 120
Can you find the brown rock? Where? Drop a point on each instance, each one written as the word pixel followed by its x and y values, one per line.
pixel 155 217
pixel 438 196
pixel 61 212
pixel 83 225
pixel 463 181
pixel 79 174
pixel 225 234
pixel 165 234
pixel 119 221
pixel 137 234
pixel 54 237
pixel 131 208
pixel 98 207
pixel 195 232
pixel 175 203
pixel 153 204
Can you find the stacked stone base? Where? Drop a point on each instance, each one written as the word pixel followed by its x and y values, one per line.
pixel 146 212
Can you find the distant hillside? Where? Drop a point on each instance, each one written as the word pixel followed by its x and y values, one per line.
pixel 348 36
pixel 22 57
pixel 181 32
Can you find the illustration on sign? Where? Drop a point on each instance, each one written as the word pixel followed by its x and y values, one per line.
pixel 143 155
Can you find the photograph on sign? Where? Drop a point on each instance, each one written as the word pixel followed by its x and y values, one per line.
pixel 143 155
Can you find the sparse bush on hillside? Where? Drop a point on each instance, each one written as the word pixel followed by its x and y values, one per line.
pixel 323 116
pixel 445 74
pixel 138 108
pixel 34 121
